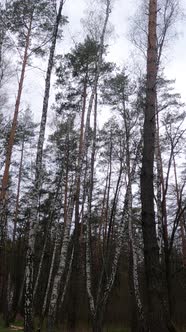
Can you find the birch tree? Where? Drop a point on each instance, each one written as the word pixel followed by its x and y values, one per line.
pixel 115 91
pixel 38 178
pixel 86 63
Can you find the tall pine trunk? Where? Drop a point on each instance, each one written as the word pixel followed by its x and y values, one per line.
pixel 15 118
pixel 158 318
pixel 5 179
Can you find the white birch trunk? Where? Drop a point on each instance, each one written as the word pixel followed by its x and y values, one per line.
pixel 67 278
pixel 40 267
pixel 28 319
pixel 159 189
pixel 56 245
pixel 134 258
pixel 159 204
pixel 53 209
pixel 88 271
pixel 61 268
pixel 10 295
pixel 121 231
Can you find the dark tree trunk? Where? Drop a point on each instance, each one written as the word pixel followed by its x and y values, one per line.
pixel 158 318
pixel 97 325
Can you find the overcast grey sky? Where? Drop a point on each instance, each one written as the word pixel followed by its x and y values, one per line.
pixel 119 47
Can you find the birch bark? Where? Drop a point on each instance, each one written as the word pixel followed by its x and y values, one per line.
pixel 56 246
pixel 88 230
pixel 67 278
pixel 28 319
pixel 139 305
pixel 183 235
pixel 134 260
pixel 159 187
pixel 54 208
pixel 61 269
pixel 121 230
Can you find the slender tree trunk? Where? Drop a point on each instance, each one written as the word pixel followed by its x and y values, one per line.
pixel 89 272
pixel 50 222
pixel 4 186
pixel 88 227
pixel 61 269
pixel 102 219
pixel 134 260
pixel 20 299
pixel 28 317
pixel 15 118
pixel 77 231
pixel 97 325
pixel 2 35
pixel 14 252
pixel 18 191
pixel 120 233
pixel 183 235
pixel 98 69
pixel 97 307
pixel 159 184
pixel 9 300
pixel 108 191
pixel 40 265
pixel 56 246
pixel 162 231
pixel 134 268
pixel 67 279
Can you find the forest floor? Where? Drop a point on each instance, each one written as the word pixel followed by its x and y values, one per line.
pixel 13 328
pixel 10 329
pixel 17 327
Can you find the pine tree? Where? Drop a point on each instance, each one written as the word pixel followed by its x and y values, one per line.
pixel 158 317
